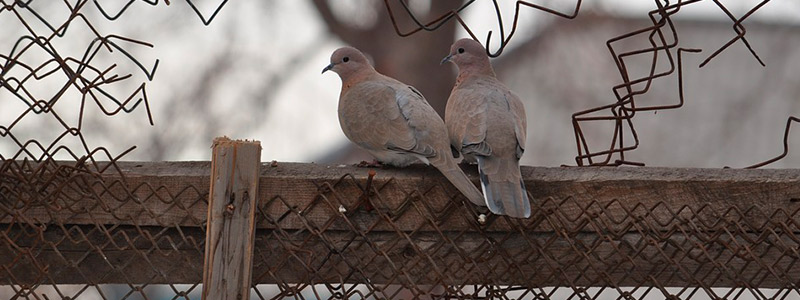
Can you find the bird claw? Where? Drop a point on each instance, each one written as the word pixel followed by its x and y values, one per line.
pixel 372 164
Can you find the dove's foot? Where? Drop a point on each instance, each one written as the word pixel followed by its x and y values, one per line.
pixel 372 164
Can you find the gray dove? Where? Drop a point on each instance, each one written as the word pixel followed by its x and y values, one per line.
pixel 486 122
pixel 393 121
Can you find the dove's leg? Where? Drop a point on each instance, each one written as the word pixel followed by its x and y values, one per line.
pixel 373 164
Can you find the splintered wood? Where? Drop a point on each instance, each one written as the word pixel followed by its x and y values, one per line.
pixel 227 270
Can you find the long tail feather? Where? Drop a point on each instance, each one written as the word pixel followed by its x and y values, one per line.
pixel 453 173
pixel 504 195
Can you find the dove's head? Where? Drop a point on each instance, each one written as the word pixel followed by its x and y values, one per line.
pixel 469 56
pixel 347 61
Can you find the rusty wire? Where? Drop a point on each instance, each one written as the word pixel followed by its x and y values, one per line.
pixel 444 18
pixel 624 109
pixel 629 249
pixel 414 247
pixel 664 46
pixel 83 220
pixel 663 41
pixel 785 145
pixel 49 207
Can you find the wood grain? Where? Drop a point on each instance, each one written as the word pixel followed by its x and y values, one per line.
pixel 230 230
pixel 590 226
pixel 298 196
pixel 388 258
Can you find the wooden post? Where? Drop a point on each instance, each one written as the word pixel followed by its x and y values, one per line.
pixel 230 229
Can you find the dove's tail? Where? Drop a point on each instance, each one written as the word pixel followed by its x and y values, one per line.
pixel 503 187
pixel 453 173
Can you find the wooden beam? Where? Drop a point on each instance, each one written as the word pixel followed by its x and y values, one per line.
pixel 424 258
pixel 230 230
pixel 296 196
pixel 590 227
pixel 87 254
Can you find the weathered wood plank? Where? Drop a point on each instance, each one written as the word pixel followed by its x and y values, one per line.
pixel 587 199
pixel 230 230
pixel 426 258
pixel 590 227
pixel 86 254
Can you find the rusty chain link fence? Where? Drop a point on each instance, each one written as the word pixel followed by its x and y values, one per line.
pixel 76 222
pixel 662 49
pixel 335 232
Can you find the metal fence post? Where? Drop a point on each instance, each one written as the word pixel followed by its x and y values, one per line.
pixel 227 269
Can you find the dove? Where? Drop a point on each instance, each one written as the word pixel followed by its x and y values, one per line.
pixel 486 122
pixel 393 121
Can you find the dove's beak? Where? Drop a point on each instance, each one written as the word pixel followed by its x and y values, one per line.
pixel 446 59
pixel 328 68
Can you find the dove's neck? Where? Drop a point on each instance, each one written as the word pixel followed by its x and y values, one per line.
pixel 472 70
pixel 360 75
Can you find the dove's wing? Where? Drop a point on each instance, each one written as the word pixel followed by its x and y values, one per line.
pixel 466 119
pixel 520 121
pixel 379 116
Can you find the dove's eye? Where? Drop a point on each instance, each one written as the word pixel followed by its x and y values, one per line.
pixel 345 59
pixel 460 50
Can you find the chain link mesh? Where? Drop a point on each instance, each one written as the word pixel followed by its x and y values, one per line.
pixel 396 239
pixel 89 226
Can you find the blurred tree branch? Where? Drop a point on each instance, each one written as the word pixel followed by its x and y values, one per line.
pixel 414 59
